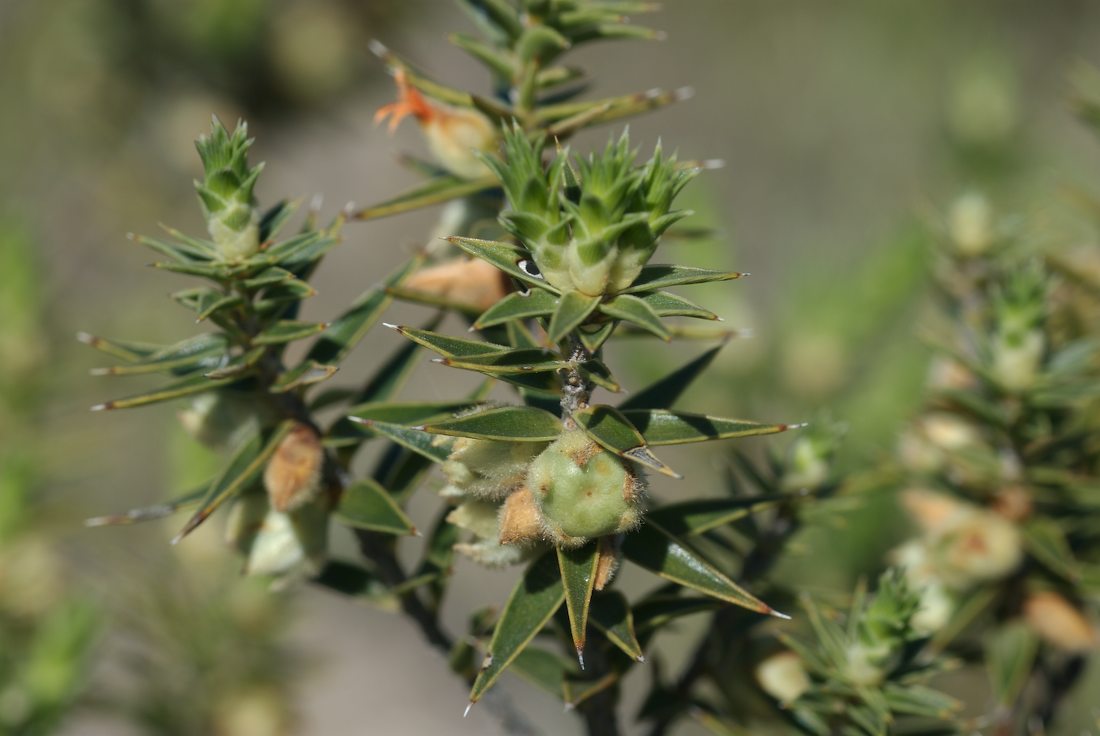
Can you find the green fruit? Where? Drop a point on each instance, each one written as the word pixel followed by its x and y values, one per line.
pixel 583 491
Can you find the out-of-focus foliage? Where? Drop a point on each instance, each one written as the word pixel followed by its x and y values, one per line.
pixel 46 633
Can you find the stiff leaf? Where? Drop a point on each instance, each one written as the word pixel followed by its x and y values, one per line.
pixel 578 578
pixel 518 305
pixel 204 351
pixel 1010 654
pixel 513 423
pixel 186 387
pixel 613 431
pixel 367 505
pixel 242 471
pixel 659 551
pixel 663 427
pixel 542 669
pixel 306 373
pixel 434 191
pixel 654 277
pixel 665 391
pixel 348 329
pixel 536 598
pixel 572 310
pixel 504 256
pixel 416 440
pixel 149 513
pixel 288 330
pixel 629 308
pixel 610 613
pixel 447 346
pixel 667 304
pixel 691 518
pixel 511 362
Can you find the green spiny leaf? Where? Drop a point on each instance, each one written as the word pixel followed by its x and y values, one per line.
pixel 367 505
pixel 654 277
pixel 613 431
pixel 242 471
pixel 504 256
pixel 434 191
pixel 518 305
pixel 288 330
pixel 578 578
pixel 513 423
pixel 573 309
pixel 629 308
pixel 186 387
pixel 659 551
pixel 536 598
pixel 665 391
pixel 663 427
pixel 610 613
pixel 348 329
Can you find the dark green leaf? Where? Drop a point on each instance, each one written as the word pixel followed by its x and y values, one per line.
pixel 593 340
pixel 121 349
pixel 659 551
pixel 447 346
pixel 416 440
pixel 1047 542
pixel 288 330
pixel 608 427
pixel 663 427
pixel 434 191
pixel 572 310
pixel 514 423
pixel 185 387
pixel 629 308
pixel 357 582
pixel 367 505
pixel 691 518
pixel 665 392
pixel 504 256
pixel 306 373
pixel 500 363
pixel 149 513
pixel 654 277
pixel 578 578
pixel 667 304
pixel 242 471
pixel 202 351
pixel 238 366
pixel 411 412
pixel 518 305
pixel 274 218
pixel 534 600
pixel 918 700
pixel 541 668
pixel 348 329
pixel 1010 653
pixel 610 613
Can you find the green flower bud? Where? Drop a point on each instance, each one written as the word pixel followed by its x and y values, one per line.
pixel 592 224
pixel 584 491
pixel 484 519
pixel 218 418
pixel 226 191
pixel 488 469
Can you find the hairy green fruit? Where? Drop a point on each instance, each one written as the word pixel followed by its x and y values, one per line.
pixel 583 491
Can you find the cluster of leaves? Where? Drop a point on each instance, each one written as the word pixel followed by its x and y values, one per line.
pixel 288 472
pixel 1003 468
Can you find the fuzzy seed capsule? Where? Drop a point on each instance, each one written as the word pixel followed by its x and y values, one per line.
pixel 583 491
pixel 293 475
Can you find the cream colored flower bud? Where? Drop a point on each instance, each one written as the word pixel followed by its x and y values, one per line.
pixel 937 605
pixel 783 677
pixel 474 283
pixel 1016 362
pixel 489 469
pixel 971 225
pixel 932 511
pixel 975 547
pixel 1059 623
pixel 293 475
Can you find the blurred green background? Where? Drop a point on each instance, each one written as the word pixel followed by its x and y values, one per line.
pixel 847 129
